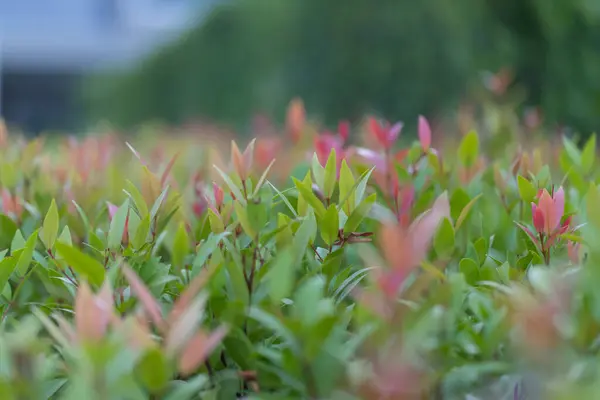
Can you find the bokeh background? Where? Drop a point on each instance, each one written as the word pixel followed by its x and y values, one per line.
pixel 67 65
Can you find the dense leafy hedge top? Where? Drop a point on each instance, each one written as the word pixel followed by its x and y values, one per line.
pixel 305 267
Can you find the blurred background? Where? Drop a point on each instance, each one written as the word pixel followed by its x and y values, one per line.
pixel 66 65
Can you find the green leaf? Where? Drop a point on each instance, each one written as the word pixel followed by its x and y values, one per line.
pixel 232 186
pixel 470 270
pixel 361 187
pixel 305 234
pixel 158 202
pixel 346 188
pixel 318 171
pixel 206 249
pixel 8 229
pixel 468 151
pixel 588 156
pixel 242 215
pixel 83 264
pixel 216 225
pixel 153 369
pixel 117 226
pixel 458 202
pixel 348 285
pixel 142 232
pixel 330 174
pixel 84 218
pixel 133 224
pixel 572 151
pixel 283 235
pixel 465 211
pixel 307 298
pixel 18 241
pixel 330 225
pixel 281 275
pixel 308 195
pixel 49 230
pixel 263 178
pixel 26 255
pixel 181 246
pixel 235 270
pixel 188 389
pixel 359 214
pixel 527 191
pixel 137 198
pixel 7 267
pixel 592 200
pixel 65 236
pixel 240 349
pixel 258 215
pixel 543 176
pixel 443 241
pixel 271 322
pixel 284 199
pixel 481 248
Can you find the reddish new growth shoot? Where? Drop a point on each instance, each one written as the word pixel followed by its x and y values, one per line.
pixel 327 141
pixel 547 216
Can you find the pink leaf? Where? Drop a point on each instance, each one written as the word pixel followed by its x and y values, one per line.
pixel 573 252
pixel 546 206
pixel 92 313
pixel 559 207
pixel 425 226
pixel 373 157
pixel 529 233
pixel 218 195
pixel 538 218
pixel 135 153
pixel 167 170
pixel 344 130
pixel 7 202
pixel 295 119
pixel 248 156
pixel 323 145
pixel 393 133
pixel 237 160
pixel 373 301
pixel 424 133
pixel 199 348
pixel 143 294
pixel 112 209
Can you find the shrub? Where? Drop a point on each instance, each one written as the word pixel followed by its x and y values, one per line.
pixel 400 58
pixel 364 271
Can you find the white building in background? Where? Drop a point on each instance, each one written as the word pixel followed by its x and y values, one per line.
pixel 46 46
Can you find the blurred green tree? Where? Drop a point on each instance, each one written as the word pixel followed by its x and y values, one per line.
pixel 345 58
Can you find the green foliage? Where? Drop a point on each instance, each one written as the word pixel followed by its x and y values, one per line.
pixel 372 273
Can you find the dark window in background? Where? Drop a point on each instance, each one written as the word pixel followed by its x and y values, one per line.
pixel 40 101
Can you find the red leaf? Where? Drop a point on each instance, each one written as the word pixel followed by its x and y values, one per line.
pixel 92 313
pixel 167 170
pixel 344 130
pixel 424 133
pixel 295 119
pixel 198 349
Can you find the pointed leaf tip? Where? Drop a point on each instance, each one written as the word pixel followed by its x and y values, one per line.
pixel 424 133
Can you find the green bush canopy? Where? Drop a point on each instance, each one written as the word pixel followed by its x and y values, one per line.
pixel 347 58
